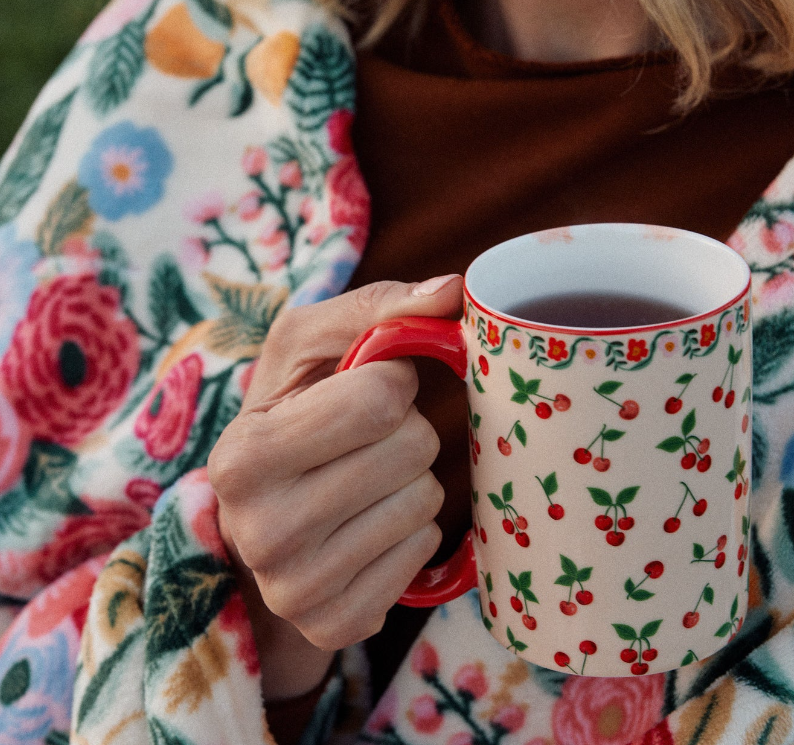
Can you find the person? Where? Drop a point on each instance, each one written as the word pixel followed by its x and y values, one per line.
pixel 179 218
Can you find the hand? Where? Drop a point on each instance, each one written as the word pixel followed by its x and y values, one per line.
pixel 323 480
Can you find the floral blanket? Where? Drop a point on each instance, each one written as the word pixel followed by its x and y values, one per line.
pixel 186 174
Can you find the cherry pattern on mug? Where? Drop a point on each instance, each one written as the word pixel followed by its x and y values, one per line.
pixel 602 431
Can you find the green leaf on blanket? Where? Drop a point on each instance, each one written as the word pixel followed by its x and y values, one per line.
pixel 113 271
pixel 46 473
pixel 115 68
pixel 57 737
pixel 215 10
pixel 773 345
pixel 15 682
pixel 32 159
pixel 550 681
pixel 168 298
pixel 182 600
pixel 103 674
pixel 322 81
pixel 14 508
pixel 68 213
pixel 760 450
pixel 161 734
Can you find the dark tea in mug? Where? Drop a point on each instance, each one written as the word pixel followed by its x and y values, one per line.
pixel 598 310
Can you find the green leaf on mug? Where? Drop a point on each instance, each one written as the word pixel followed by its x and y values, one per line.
pixel 689 658
pixel 608 387
pixel 641 595
pixel 625 631
pixel 627 495
pixel 514 581
pixel 689 423
pixel 629 586
pixel 723 630
pixel 521 435
pixel 734 606
pixel 600 497
pixel 520 646
pixel 566 580
pixel 478 386
pixel 650 628
pixel 685 378
pixel 518 397
pixel 507 492
pixel 584 574
pixel 524 580
pixel 568 566
pixel 549 484
pixel 697 551
pixel 517 380
pixel 708 594
pixel 611 435
pixel 495 501
pixel 671 444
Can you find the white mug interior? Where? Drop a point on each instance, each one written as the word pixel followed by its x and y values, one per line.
pixel 662 264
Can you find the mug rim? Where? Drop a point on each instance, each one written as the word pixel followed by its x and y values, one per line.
pixel 611 330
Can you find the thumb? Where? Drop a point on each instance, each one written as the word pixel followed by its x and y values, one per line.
pixel 328 328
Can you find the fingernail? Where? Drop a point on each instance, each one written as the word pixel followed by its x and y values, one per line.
pixel 433 285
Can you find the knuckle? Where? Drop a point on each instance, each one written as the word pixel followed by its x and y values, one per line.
pixel 429 539
pixel 432 496
pixel 369 297
pixel 384 404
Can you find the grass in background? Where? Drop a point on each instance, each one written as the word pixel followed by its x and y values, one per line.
pixel 35 35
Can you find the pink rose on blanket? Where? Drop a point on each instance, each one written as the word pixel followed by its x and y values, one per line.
pixel 384 714
pixel 424 715
pixel 339 135
pixel 659 735
pixel 349 200
pixel 778 239
pixel 167 415
pixel 143 492
pixel 14 444
pixel 81 537
pixel 71 360
pixel 607 711
pixel 233 618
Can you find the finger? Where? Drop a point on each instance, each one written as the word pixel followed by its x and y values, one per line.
pixel 366 536
pixel 302 339
pixel 360 610
pixel 334 417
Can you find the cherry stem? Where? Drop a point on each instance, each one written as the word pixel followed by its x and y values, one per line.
pixel 686 385
pixel 598 437
pixel 584 662
pixel 687 493
pixel 611 400
pixel 510 433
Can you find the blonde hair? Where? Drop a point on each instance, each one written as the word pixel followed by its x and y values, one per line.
pixel 756 34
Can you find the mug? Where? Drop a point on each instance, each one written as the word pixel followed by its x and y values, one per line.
pixel 610 466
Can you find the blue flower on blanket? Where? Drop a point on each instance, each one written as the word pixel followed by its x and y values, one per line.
pixel 36 678
pixel 125 170
pixel 16 280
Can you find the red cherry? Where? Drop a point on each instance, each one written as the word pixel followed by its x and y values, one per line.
pixel 704 464
pixel 629 410
pixel 626 523
pixel 703 446
pixel 614 538
pixel 567 608
pixel 746 552
pixel 654 569
pixel 745 423
pixel 492 608
pixel 518 606
pixel 699 507
pixel 688 461
pixel 716 394
pixel 562 659
pixel 529 622
pixel 543 410
pixel 739 554
pixel 556 511
pixel 603 522
pixel 505 448
pixel 673 405
pixel 508 527
pixel 741 568
pixel 474 457
pixel 521 522
pixel 483 365
pixel 584 597
pixel 691 619
pixel 483 536
pixel 730 397
pixel 737 492
pixel 582 455
pixel 471 436
pixel 722 541
pixel 588 647
pixel 477 447
pixel 628 655
pixel 639 668
pixel 601 464
pixel 562 402
pixel 649 655
pixel 746 488
pixel 671 524
pixel 719 560
pixel 522 539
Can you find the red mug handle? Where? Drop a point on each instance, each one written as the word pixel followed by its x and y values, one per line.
pixel 442 340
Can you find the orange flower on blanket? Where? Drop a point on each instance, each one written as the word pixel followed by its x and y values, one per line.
pixel 607 711
pixel 167 415
pixel 71 360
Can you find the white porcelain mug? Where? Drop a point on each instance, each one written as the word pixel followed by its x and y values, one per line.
pixel 610 466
